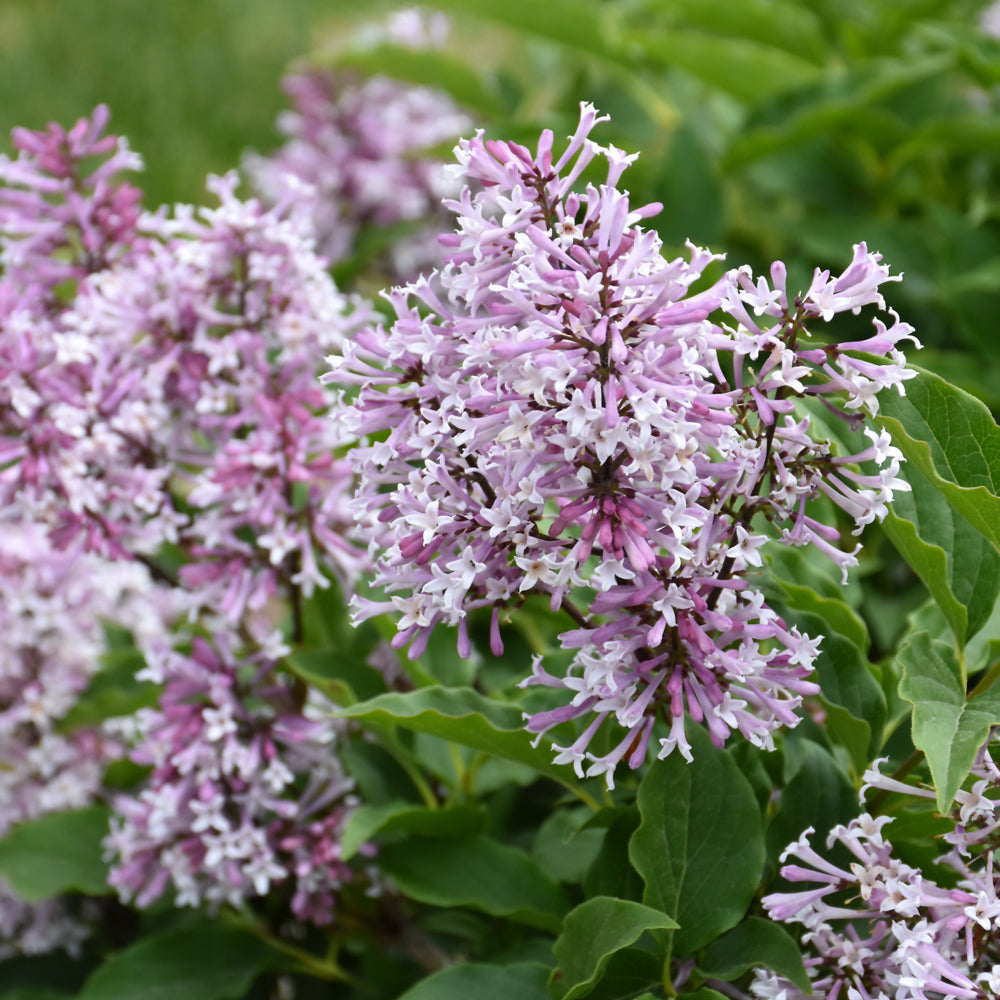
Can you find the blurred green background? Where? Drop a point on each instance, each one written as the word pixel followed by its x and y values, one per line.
pixel 192 83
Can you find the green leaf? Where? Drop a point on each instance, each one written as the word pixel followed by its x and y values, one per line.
pixel 842 671
pixel 565 850
pixel 523 980
pixel 946 727
pixel 426 68
pixel 208 961
pixel 592 933
pixel 56 853
pixel 581 24
pixel 841 98
pixel 756 942
pixel 957 564
pixel 784 24
pixel 466 717
pixel 817 793
pixel 705 993
pixel 611 873
pixel 951 437
pixel 476 872
pixel 113 691
pixel 699 847
pixel 741 67
pixel 342 676
pixel 366 821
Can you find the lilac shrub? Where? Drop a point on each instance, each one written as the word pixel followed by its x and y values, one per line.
pixel 356 153
pixel 561 410
pixel 883 928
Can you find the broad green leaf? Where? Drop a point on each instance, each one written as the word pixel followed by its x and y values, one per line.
pixel 845 97
pixel 783 24
pixel 563 848
pixel 952 439
pixel 465 716
pixel 366 821
pixel 113 691
pixel 56 853
pixel 699 848
pixel 946 727
pixel 208 961
pixel 427 68
pixel 817 793
pixel 755 942
pixel 705 993
pixel 741 67
pixel 591 934
pixel 581 24
pixel 339 674
pixel 833 609
pixel 842 671
pixel 477 872
pixel 611 873
pixel 523 981
pixel 957 564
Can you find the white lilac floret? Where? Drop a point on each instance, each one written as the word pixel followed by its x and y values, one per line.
pixel 879 927
pixel 563 410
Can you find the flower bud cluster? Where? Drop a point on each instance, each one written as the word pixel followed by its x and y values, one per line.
pixel 882 928
pixel 563 410
pixel 246 796
pixel 357 151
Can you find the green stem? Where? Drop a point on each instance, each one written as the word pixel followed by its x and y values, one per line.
pixel 306 962
pixel 402 757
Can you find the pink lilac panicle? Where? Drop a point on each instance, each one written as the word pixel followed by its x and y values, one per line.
pixel 236 306
pixel 556 411
pixel 185 368
pixel 882 928
pixel 53 606
pixel 246 796
pixel 356 151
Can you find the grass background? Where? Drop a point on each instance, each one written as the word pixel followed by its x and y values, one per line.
pixel 191 83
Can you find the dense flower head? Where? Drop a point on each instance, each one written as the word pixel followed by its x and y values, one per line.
pixel 358 151
pixel 882 928
pixel 246 797
pixel 563 410
pixel 173 398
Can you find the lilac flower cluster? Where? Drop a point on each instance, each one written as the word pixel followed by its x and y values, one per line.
pixel 882 928
pixel 556 411
pixel 52 609
pixel 357 151
pixel 158 388
pixel 173 399
pixel 246 796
